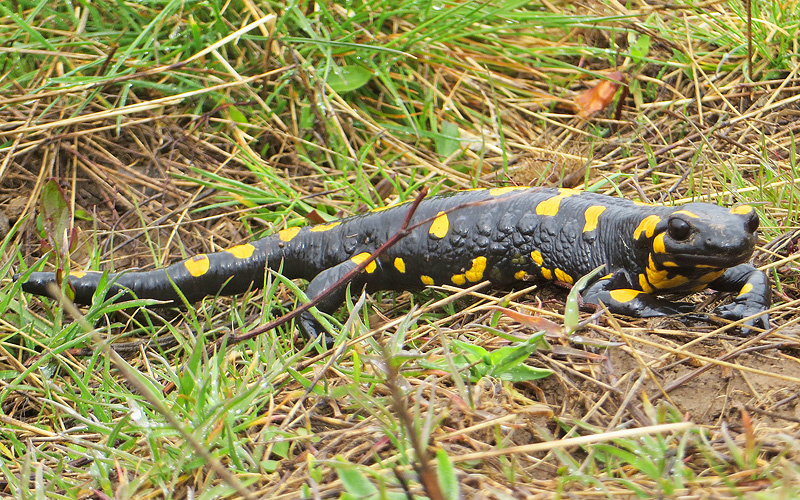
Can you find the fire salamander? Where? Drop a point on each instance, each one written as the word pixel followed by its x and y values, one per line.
pixel 504 235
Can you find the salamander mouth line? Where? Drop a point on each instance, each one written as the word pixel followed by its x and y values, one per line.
pixel 718 261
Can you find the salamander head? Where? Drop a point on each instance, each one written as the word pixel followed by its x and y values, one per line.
pixel 705 235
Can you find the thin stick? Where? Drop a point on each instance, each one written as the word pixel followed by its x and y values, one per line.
pixel 400 234
pixel 576 441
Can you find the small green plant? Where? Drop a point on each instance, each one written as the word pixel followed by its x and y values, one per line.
pixel 505 363
pixel 362 483
pixel 54 224
pixel 658 458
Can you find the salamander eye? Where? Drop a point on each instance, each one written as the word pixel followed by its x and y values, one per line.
pixel 679 229
pixel 752 222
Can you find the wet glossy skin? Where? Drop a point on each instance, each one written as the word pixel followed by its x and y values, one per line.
pixel 502 235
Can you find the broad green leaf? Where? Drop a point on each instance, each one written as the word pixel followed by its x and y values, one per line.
pixel 448 141
pixel 523 373
pixel 506 357
pixel 507 362
pixel 83 215
pixel 475 350
pixel 641 47
pixel 55 218
pixel 237 115
pixel 270 465
pixel 355 483
pixel 348 78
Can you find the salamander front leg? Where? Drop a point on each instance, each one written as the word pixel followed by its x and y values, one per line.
pixel 617 295
pixel 370 276
pixel 754 295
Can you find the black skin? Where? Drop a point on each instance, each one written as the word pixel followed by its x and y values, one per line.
pixel 504 235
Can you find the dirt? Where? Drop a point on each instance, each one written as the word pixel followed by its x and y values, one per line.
pixel 712 397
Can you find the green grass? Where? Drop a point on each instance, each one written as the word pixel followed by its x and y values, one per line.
pixel 175 128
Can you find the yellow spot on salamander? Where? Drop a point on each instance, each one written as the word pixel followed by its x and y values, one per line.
pixel 592 216
pixel 658 244
pixel 474 274
pixel 440 226
pixel 647 226
pixel 242 251
pixel 674 282
pixel 381 209
pixel 607 276
pixel 742 210
pixel 77 274
pixel 478 267
pixel 324 227
pixel 197 265
pixel 669 263
pixel 551 205
pixel 520 275
pixel 288 234
pixel 426 280
pixel 359 258
pixel 624 294
pixel 562 276
pixel 687 213
pixel 504 190
pixel 709 277
pixel 658 278
pixel 536 255
pixel 644 285
pixel 547 274
pixel 400 264
pixel 747 288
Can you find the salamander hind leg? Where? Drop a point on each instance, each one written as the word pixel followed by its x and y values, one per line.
pixel 371 277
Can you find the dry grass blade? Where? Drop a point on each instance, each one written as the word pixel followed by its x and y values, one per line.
pixel 578 441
